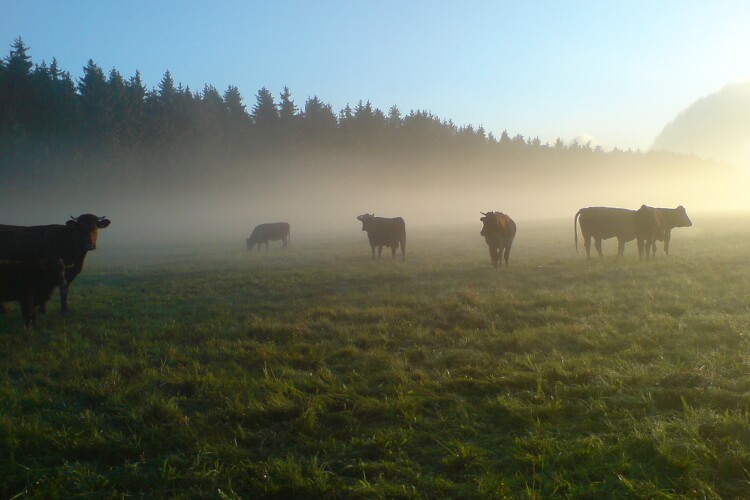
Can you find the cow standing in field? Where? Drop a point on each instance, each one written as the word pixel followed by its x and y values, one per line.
pixel 646 230
pixel 498 231
pixel 382 232
pixel 30 283
pixel 668 219
pixel 70 242
pixel 602 223
pixel 273 231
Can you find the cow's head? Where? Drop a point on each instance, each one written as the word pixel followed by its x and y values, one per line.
pixel 490 223
pixel 682 219
pixel 366 219
pixel 86 228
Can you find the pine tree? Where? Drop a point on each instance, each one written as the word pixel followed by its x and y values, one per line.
pixel 287 108
pixel 16 106
pixel 265 115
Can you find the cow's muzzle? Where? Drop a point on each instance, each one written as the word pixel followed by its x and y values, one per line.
pixel 91 246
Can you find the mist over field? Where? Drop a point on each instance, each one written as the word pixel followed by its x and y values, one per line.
pixel 325 198
pixel 170 165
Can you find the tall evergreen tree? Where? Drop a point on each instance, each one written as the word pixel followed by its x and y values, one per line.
pixel 264 114
pixel 94 93
pixel 16 89
pixel 287 108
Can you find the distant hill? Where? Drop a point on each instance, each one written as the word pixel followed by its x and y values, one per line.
pixel 715 127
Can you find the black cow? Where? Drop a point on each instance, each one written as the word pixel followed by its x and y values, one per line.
pixel 70 242
pixel 668 219
pixel 498 230
pixel 30 283
pixel 382 232
pixel 602 223
pixel 273 231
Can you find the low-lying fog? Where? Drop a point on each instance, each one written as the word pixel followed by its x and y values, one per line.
pixel 319 205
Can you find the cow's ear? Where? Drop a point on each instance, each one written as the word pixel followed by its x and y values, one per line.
pixel 103 223
pixel 72 223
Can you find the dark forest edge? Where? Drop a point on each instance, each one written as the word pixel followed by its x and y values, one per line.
pixel 109 133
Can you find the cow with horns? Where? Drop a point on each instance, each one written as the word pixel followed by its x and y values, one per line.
pixel 69 242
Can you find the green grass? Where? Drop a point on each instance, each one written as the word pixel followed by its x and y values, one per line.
pixel 216 372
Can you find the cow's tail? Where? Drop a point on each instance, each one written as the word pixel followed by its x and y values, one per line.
pixel 575 228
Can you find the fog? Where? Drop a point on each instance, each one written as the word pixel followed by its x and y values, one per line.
pixel 325 200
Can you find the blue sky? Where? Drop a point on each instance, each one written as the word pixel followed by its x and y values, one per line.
pixel 615 71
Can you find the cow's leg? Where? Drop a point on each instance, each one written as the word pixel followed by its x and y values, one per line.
pixel 373 251
pixel 587 246
pixel 380 251
pixel 598 246
pixel 506 256
pixel 620 247
pixel 493 256
pixel 64 297
pixel 640 249
pixel 653 249
pixel 393 251
pixel 27 310
pixel 667 236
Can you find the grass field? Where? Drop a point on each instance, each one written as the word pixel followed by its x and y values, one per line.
pixel 206 370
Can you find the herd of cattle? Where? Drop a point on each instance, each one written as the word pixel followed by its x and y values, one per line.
pixel 37 259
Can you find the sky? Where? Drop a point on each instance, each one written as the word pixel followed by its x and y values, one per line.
pixel 615 73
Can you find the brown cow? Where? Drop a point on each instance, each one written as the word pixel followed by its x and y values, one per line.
pixel 273 231
pixel 30 283
pixel 382 232
pixel 668 219
pixel 70 242
pixel 498 231
pixel 646 230
pixel 602 223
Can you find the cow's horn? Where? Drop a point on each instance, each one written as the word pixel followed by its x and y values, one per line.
pixel 102 218
pixel 73 218
pixel 483 213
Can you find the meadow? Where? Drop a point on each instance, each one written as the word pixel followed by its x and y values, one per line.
pixel 208 371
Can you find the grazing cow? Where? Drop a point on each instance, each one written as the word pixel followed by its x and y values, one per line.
pixel 498 231
pixel 382 232
pixel 70 242
pixel 602 223
pixel 30 283
pixel 668 219
pixel 273 231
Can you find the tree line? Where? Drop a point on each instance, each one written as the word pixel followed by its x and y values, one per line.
pixel 104 128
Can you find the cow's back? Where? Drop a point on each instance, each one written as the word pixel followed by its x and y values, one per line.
pixel 36 243
pixel 270 231
pixel 608 222
pixel 386 232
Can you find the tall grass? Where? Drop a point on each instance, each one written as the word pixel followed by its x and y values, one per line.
pixel 205 371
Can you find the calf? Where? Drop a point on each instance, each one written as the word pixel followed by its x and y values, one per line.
pixel 30 283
